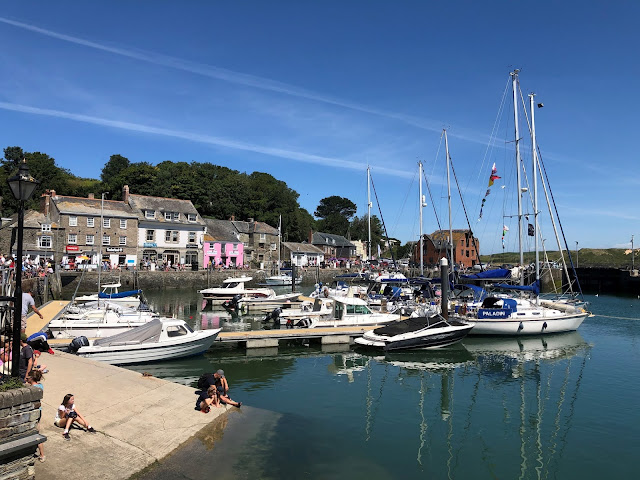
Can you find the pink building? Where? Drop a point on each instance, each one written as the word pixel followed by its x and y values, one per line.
pixel 221 245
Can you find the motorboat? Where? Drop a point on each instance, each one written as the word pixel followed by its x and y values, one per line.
pixel 101 319
pixel 413 333
pixel 159 340
pixel 112 293
pixel 352 312
pixel 307 312
pixel 264 304
pixel 234 286
pixel 284 277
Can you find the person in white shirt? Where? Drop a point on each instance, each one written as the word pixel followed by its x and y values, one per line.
pixel 27 302
pixel 67 414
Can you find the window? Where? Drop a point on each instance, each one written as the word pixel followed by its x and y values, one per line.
pixel 90 221
pixel 191 217
pixel 151 235
pixel 44 241
pixel 263 237
pixel 172 236
pixel 167 215
pixel 106 222
pixel 73 221
pixel 46 227
pixel 273 246
pixel 467 253
pixel 106 240
pixel 73 239
pixel 246 244
pixel 167 236
pixel 176 216
pixel 123 223
pixel 150 213
pixel 192 237
pixel 90 239
pixel 123 240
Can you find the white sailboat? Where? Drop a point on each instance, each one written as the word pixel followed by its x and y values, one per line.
pixel 524 313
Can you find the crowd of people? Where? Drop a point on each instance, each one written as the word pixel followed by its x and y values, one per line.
pixel 31 268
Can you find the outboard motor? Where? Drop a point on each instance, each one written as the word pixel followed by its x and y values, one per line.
pixel 274 315
pixel 76 343
pixel 233 303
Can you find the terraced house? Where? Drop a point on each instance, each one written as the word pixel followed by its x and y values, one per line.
pixel 260 242
pixel 92 225
pixel 170 231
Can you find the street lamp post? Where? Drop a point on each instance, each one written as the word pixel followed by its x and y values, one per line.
pixel 22 186
pixel 576 254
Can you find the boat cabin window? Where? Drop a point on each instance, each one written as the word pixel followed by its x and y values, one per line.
pixel 358 309
pixel 231 285
pixel 338 310
pixel 176 331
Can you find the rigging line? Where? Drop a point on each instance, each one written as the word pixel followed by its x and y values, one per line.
pixel 556 422
pixel 473 240
pixel 616 318
pixel 426 181
pixel 566 245
pixel 393 258
pixel 423 421
pixel 404 202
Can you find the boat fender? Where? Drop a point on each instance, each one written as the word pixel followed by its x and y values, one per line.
pixel 520 327
pixel 544 326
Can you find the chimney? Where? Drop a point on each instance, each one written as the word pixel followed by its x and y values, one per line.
pixel 91 196
pixel 233 217
pixel 310 237
pixel 125 194
pixel 45 203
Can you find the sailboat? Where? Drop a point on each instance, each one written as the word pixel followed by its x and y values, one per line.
pixel 284 276
pixel 524 313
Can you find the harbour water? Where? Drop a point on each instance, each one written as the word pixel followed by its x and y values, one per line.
pixel 561 406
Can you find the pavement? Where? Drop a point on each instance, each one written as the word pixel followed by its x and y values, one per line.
pixel 140 419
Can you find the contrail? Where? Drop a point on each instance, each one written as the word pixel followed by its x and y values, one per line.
pixel 201 138
pixel 239 78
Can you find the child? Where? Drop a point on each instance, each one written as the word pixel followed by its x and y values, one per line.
pixel 67 414
pixel 208 398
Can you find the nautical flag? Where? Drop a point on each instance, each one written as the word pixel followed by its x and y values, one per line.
pixel 531 231
pixel 493 177
pixel 505 229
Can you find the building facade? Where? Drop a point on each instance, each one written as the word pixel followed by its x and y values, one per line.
pixel 261 242
pixel 170 231
pixel 302 254
pixel 334 247
pixel 42 237
pixel 435 246
pixel 93 227
pixel 222 245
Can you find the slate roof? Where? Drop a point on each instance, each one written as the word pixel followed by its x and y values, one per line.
pixel 302 247
pixel 141 203
pixel 254 227
pixel 32 219
pixel 220 230
pixel 330 239
pixel 92 206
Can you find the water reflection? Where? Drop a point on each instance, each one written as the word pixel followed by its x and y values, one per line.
pixel 529 386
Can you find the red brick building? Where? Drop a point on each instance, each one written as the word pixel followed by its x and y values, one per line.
pixel 465 248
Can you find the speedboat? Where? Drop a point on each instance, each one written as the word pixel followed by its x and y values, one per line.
pixel 112 293
pixel 100 320
pixel 421 332
pixel 283 278
pixel 159 340
pixel 307 312
pixel 352 312
pixel 232 287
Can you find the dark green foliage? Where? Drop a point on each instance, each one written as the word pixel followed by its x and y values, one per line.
pixel 360 231
pixel 335 213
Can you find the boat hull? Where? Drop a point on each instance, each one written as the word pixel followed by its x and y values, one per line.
pixel 151 352
pixel 425 339
pixel 528 326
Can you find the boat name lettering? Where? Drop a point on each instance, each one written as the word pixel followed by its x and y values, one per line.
pixel 497 313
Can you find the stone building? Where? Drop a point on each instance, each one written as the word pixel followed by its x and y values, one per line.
pixel 333 246
pixel 92 226
pixel 42 237
pixel 260 240
pixel 169 229
pixel 465 251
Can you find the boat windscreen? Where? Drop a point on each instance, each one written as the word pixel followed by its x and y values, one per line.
pixel 409 325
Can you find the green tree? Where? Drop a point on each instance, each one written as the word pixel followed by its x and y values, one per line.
pixel 335 213
pixel 360 231
pixel 114 167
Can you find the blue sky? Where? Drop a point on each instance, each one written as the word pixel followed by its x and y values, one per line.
pixel 312 92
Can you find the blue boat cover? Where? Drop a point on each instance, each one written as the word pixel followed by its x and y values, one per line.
pixel 479 293
pixel 128 293
pixel 489 274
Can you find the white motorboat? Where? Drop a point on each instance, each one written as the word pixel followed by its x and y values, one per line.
pixel 159 340
pixel 283 278
pixel 232 287
pixel 352 312
pixel 100 321
pixel 264 304
pixel 307 312
pixel 414 333
pixel 112 293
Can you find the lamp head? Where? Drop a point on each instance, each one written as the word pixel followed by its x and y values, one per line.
pixel 22 184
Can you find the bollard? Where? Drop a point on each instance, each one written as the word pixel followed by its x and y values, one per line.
pixel 444 288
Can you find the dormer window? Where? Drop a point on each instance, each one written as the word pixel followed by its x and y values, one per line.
pixel 46 227
pixel 151 214
pixel 191 217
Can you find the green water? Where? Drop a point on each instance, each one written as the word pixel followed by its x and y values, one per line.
pixel 556 407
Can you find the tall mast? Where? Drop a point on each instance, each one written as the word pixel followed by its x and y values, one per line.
pixel 534 159
pixel 280 242
pixel 446 148
pixel 514 81
pixel 369 208
pixel 421 203
pixel 100 254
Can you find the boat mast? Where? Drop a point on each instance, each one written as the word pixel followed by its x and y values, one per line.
pixel 280 243
pixel 369 208
pixel 446 148
pixel 514 80
pixel 534 159
pixel 100 249
pixel 420 206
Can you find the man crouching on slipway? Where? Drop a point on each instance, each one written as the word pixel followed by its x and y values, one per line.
pixel 222 386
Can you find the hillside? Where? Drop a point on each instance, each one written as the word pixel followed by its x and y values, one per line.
pixel 586 257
